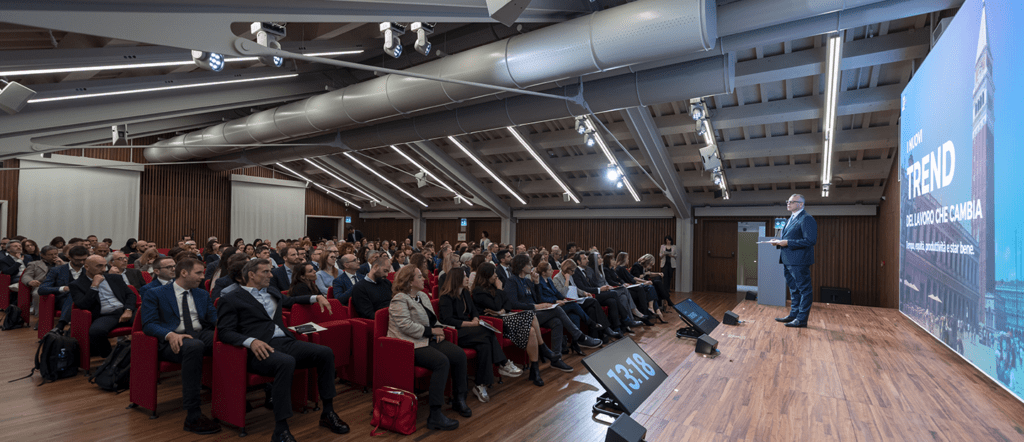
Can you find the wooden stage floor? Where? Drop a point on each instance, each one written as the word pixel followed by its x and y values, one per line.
pixel 856 373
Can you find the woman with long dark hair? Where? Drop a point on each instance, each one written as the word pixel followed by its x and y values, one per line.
pixel 303 281
pixel 458 310
pixel 30 248
pixel 128 249
pixel 668 253
pixel 521 328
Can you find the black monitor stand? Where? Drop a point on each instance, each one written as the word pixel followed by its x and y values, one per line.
pixel 690 331
pixel 607 405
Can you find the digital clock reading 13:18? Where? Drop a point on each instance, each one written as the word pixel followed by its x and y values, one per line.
pixel 626 372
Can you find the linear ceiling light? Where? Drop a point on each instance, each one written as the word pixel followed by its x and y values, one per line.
pixel 544 164
pixel 382 178
pixel 159 64
pixel 332 174
pixel 613 160
pixel 487 169
pixel 160 88
pixel 431 175
pixel 832 77
pixel 325 189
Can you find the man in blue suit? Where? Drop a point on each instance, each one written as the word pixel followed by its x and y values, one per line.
pixel 347 278
pixel 797 254
pixel 182 319
pixel 163 274
pixel 58 282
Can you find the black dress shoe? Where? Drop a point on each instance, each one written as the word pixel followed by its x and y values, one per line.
pixel 786 319
pixel 627 330
pixel 438 421
pixel 285 436
pixel 646 321
pixel 561 365
pixel 634 323
pixel 796 323
pixel 575 347
pixel 613 333
pixel 202 425
pixel 331 421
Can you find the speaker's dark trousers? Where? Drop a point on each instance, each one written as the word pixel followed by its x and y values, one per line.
pixel 798 278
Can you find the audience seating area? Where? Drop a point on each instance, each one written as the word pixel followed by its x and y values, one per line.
pixel 365 356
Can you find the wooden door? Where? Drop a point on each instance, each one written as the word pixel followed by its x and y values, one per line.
pixel 719 241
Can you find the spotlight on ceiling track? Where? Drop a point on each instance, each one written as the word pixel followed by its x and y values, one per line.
pixel 581 125
pixel 267 34
pixel 422 30
pixel 14 97
pixel 589 140
pixel 392 44
pixel 697 111
pixel 210 61
pixel 613 173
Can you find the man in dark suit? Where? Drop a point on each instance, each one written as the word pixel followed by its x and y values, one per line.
pixel 502 268
pixel 14 262
pixel 182 319
pixel 364 268
pixel 133 277
pixel 58 281
pixel 107 297
pixel 353 235
pixel 797 254
pixel 163 274
pixel 282 276
pixel 251 317
pixel 618 298
pixel 347 278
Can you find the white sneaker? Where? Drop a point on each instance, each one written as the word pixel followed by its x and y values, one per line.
pixel 510 369
pixel 481 393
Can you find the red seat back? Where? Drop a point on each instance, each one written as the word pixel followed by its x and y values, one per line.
pixel 380 323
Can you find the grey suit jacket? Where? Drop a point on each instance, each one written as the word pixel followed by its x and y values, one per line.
pixel 408 318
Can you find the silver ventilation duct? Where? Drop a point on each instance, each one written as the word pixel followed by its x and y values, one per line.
pixel 698 78
pixel 638 32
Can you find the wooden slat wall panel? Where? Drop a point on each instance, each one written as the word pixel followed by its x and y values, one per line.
pixel 888 262
pixel 9 193
pixel 441 230
pixel 845 255
pixel 321 204
pixel 634 236
pixel 185 199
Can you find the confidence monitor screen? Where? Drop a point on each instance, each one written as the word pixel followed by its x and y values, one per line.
pixel 696 315
pixel 626 372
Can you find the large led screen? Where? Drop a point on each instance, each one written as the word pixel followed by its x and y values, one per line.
pixel 962 190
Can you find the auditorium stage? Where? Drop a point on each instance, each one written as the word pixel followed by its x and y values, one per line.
pixel 856 373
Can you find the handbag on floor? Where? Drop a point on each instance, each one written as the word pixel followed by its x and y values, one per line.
pixel 393 410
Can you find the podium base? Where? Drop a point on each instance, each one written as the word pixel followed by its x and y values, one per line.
pixel 606 401
pixel 689 332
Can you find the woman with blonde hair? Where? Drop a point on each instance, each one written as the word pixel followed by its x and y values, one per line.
pixel 145 262
pixel 411 317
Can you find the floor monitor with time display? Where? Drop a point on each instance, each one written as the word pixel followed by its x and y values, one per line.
pixel 626 372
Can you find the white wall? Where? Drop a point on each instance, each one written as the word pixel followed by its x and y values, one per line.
pixel 75 196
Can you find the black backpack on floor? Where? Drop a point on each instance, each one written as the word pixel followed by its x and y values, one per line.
pixel 113 375
pixel 12 318
pixel 56 357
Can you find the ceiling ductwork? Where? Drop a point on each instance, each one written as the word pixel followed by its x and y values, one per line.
pixel 638 32
pixel 698 78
